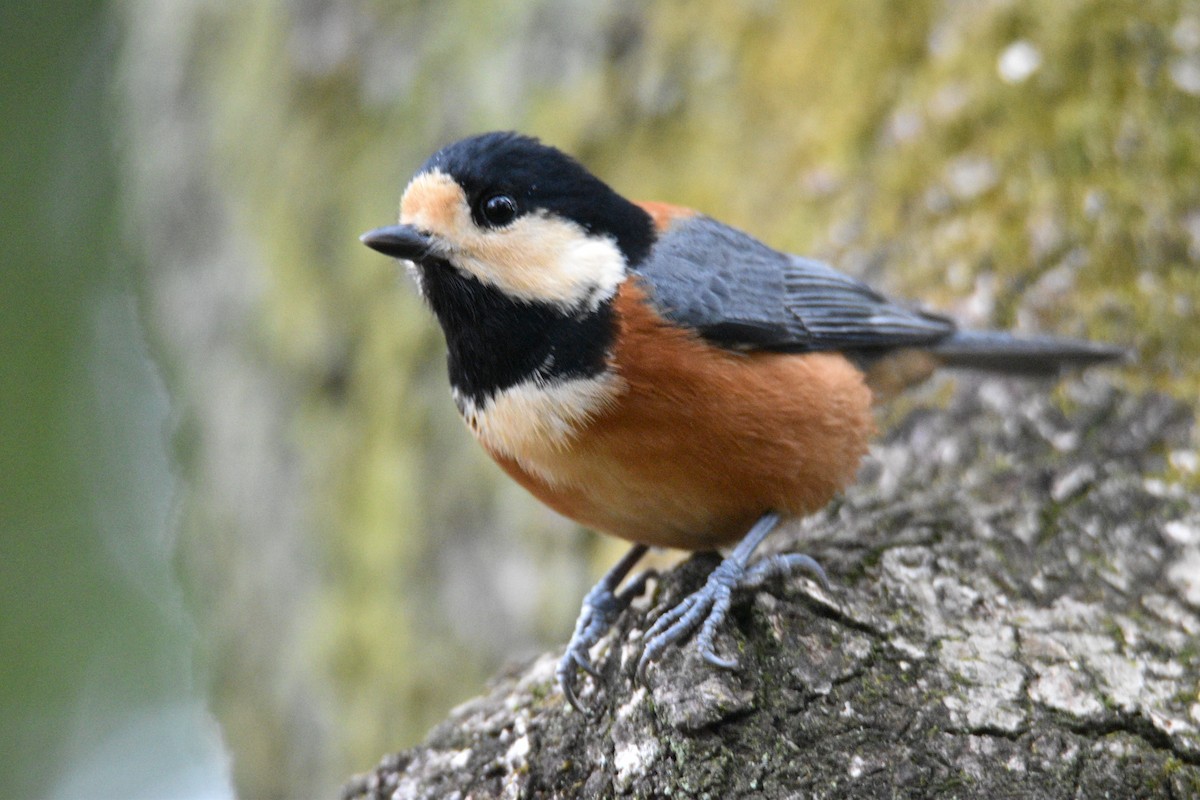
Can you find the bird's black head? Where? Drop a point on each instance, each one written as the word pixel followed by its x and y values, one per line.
pixel 519 216
pixel 519 251
pixel 507 175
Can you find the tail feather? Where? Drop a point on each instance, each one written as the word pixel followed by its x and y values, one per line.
pixel 1021 355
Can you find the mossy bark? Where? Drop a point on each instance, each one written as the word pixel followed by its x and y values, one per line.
pixel 1015 613
pixel 331 492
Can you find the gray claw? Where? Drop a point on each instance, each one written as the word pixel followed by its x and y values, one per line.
pixel 707 607
pixel 601 607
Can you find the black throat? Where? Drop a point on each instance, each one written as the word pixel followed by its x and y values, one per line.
pixel 495 341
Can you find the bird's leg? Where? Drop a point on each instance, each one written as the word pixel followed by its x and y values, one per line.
pixel 600 609
pixel 706 607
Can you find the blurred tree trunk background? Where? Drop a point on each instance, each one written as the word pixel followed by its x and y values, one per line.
pixel 355 562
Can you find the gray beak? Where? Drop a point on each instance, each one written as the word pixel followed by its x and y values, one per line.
pixel 399 241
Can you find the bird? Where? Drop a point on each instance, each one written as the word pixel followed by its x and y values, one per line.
pixel 656 375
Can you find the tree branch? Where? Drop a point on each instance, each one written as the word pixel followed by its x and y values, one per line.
pixel 1016 612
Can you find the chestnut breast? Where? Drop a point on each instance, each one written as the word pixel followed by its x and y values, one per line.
pixel 683 444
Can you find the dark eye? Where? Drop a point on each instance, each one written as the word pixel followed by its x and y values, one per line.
pixel 499 209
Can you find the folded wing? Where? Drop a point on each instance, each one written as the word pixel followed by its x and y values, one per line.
pixel 738 293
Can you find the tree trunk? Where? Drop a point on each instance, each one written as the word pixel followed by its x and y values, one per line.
pixel 1015 613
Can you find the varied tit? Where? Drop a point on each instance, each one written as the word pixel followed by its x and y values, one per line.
pixel 654 374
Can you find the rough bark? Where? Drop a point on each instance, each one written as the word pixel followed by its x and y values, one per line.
pixel 328 489
pixel 1015 613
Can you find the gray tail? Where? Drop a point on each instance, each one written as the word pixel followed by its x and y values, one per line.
pixel 1030 355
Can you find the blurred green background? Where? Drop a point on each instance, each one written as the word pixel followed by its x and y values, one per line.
pixel 245 540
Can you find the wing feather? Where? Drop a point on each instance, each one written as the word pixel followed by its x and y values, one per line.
pixel 739 293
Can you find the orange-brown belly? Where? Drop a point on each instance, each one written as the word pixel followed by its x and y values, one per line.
pixel 700 441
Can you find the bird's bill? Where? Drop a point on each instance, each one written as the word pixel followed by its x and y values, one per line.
pixel 399 241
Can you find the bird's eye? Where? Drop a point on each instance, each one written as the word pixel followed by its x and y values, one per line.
pixel 499 209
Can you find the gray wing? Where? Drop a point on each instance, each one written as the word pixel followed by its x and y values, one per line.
pixel 738 293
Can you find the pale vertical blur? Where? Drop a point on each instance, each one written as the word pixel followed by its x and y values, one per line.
pixel 99 695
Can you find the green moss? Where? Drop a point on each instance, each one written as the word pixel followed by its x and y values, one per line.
pixel 1180 775
pixel 877 686
pixel 539 692
pixel 837 129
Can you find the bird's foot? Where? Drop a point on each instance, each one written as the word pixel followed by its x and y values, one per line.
pixel 783 565
pixel 601 607
pixel 707 607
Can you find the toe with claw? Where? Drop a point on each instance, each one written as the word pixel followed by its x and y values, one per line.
pixel 707 607
pixel 601 607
